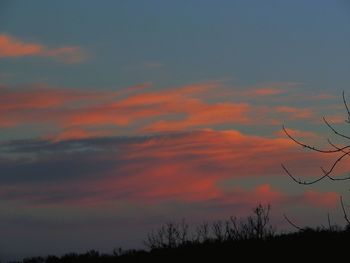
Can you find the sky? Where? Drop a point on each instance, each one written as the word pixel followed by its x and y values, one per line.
pixel 118 116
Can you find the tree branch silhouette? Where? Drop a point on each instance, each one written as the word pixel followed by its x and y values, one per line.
pixel 344 151
pixel 341 150
pixel 292 224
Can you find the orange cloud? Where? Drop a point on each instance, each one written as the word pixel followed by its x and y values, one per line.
pixel 200 114
pixel 323 96
pixel 139 109
pixel 337 118
pixel 265 92
pixel 192 166
pixel 12 47
pixel 188 167
pixel 37 97
pixel 299 134
pixel 42 104
pixel 66 54
pixel 263 193
pixel 175 95
pixel 171 109
pixel 296 113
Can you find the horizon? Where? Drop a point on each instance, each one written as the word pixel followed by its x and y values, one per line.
pixel 118 116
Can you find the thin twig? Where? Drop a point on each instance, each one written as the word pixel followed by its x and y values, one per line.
pixel 327 173
pixel 334 130
pixel 333 178
pixel 292 224
pixel 346 106
pixel 299 181
pixel 342 150
pixel 329 222
pixel 306 145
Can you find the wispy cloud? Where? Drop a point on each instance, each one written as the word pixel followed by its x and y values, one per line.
pixel 299 134
pixel 296 113
pixel 74 108
pixel 269 91
pixel 11 47
pixel 188 167
pixel 144 109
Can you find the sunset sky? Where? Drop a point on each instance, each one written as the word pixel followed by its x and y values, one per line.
pixel 118 116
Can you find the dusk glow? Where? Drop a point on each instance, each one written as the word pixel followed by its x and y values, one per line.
pixel 118 116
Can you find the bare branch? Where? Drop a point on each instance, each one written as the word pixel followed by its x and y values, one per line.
pixel 344 151
pixel 334 130
pixel 341 149
pixel 334 178
pixel 303 182
pixel 306 145
pixel 292 224
pixel 327 173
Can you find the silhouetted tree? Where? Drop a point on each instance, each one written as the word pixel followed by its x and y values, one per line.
pixel 202 233
pixel 218 229
pixel 258 225
pixel 254 227
pixel 170 235
pixel 339 151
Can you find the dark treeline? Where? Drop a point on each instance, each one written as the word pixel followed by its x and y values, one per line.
pixel 252 238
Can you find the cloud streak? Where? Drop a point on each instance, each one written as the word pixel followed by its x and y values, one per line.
pixel 189 167
pixel 141 109
pixel 11 47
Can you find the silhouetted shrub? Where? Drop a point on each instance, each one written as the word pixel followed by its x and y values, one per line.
pixel 170 235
